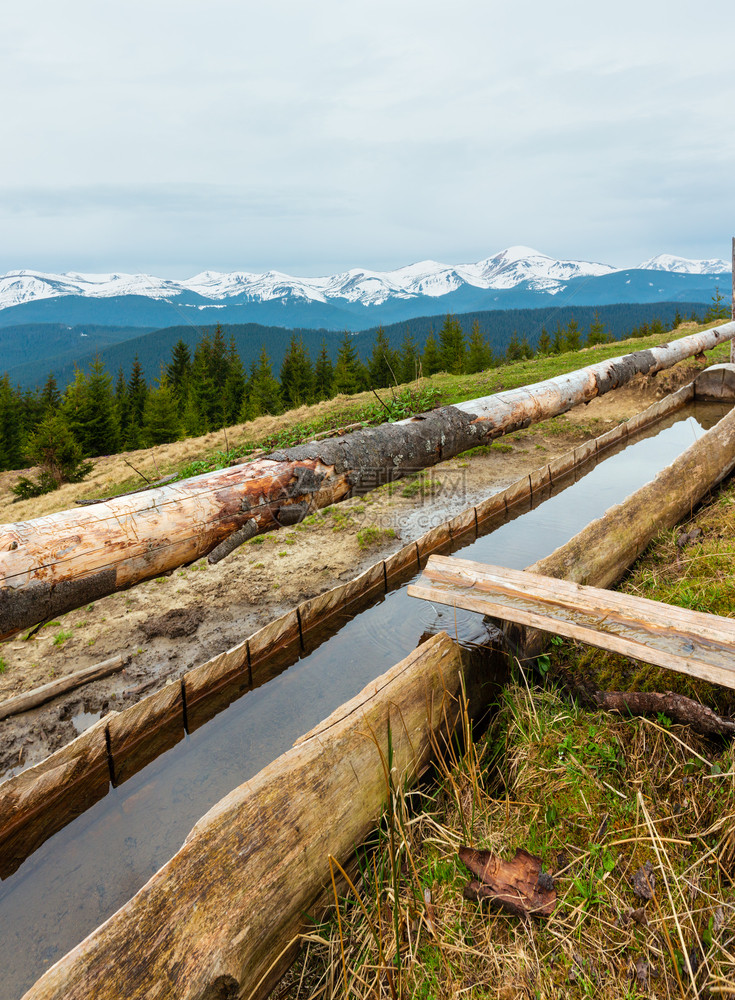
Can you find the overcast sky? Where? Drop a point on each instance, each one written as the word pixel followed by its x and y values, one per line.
pixel 173 137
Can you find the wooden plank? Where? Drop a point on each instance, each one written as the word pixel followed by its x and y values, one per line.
pixel 52 564
pixel 320 615
pixel 274 645
pixel 402 564
pixel 463 526
pixel 433 540
pixel 603 550
pixel 218 919
pixel 689 642
pixel 41 800
pixel 212 686
pixel 144 731
pixel 62 685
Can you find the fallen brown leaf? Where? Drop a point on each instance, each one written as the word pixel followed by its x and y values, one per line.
pixel 515 885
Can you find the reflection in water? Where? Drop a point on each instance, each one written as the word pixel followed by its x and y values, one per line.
pixel 86 871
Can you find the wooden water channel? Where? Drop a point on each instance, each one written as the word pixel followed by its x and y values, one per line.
pixel 194 936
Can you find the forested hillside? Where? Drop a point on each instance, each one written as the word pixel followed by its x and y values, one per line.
pixel 29 353
pixel 210 387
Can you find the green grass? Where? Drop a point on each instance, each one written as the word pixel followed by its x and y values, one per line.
pixel 403 401
pixel 372 535
pixel 61 637
pixel 3 665
pixel 698 576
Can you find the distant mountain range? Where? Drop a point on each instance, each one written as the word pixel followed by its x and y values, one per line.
pixel 516 278
pixel 29 352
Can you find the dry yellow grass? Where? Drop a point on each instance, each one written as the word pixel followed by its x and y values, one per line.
pixel 598 798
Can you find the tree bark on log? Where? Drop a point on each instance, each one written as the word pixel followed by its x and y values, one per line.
pixel 225 912
pixel 61 561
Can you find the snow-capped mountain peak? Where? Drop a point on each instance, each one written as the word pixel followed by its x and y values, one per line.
pixel 682 265
pixel 514 266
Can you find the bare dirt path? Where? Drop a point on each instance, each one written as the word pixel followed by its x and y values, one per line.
pixel 172 623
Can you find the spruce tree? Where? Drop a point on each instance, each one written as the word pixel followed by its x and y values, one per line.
pixel 431 361
pixel 11 456
pixel 297 377
pixel 234 391
pixel 264 394
pixel 50 395
pixel 408 359
pixel 452 346
pixel 557 344
pixel 597 334
pixel 514 351
pixel 572 337
pixel 544 342
pixel 479 355
pixel 348 371
pixel 204 396
pixel 100 428
pixel 323 374
pixel 383 362
pixel 122 403
pixel 137 393
pixel 178 373
pixel 161 422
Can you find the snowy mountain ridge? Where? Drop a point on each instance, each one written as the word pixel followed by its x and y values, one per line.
pixel 505 270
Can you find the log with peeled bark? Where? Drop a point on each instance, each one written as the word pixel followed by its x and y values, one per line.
pixel 222 918
pixel 55 563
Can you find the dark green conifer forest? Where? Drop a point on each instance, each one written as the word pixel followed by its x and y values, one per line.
pixel 210 388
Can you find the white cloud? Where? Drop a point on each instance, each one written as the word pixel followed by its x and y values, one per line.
pixel 177 136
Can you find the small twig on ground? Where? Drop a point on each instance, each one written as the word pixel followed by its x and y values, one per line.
pixel 137 470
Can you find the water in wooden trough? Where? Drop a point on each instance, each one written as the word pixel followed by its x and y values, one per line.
pixel 86 871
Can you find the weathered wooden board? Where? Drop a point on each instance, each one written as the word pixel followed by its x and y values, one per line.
pixel 222 913
pixel 277 643
pixel 716 382
pixel 41 800
pixel 661 408
pixel 402 564
pixel 212 686
pixel 491 509
pixel 689 642
pixel 142 732
pixel 434 540
pixel 54 563
pixel 321 613
pixel 463 527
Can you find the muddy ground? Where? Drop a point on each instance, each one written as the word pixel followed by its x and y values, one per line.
pixel 172 623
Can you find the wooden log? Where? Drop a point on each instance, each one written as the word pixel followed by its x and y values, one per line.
pixel 689 642
pixel 717 383
pixel 58 562
pixel 62 685
pixel 224 913
pixel 600 553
